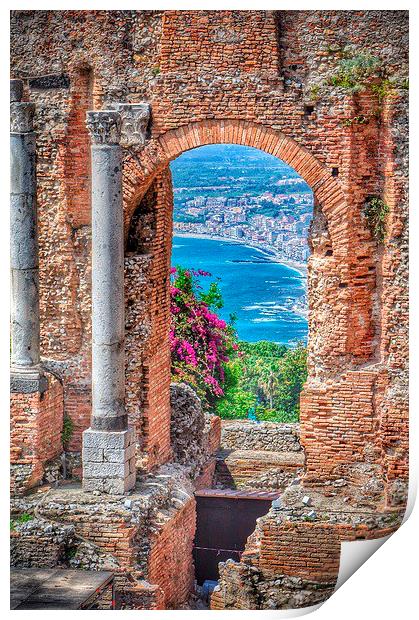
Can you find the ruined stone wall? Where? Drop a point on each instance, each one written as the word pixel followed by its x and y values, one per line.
pixel 35 433
pixel 63 89
pixel 258 455
pixel 292 558
pixel 145 539
pixel 147 349
pixel 170 565
pixel 247 78
pixel 270 436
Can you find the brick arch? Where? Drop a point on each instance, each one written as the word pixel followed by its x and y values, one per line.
pixel 140 169
pixel 340 323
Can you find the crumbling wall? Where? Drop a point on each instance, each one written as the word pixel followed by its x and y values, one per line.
pixel 270 436
pixel 147 373
pixel 146 538
pixel 258 455
pixel 249 80
pixel 194 434
pixel 169 564
pixel 35 433
pixel 246 78
pixel 38 544
pixel 292 558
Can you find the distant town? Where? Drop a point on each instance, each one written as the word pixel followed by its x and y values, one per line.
pixel 244 195
pixel 240 219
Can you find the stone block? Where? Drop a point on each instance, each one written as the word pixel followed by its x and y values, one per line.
pixel 16 90
pixel 92 484
pixel 105 470
pixel 118 486
pixel 109 461
pixel 26 382
pixel 108 439
pixel 93 455
pixel 119 455
pixel 132 466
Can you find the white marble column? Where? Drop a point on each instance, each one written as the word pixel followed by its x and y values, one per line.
pixel 108 446
pixel 26 375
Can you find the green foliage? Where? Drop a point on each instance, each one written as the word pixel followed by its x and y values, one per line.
pixel 201 343
pixel 68 428
pixel 265 379
pixel 23 518
pixel 261 380
pixel 376 211
pixel 354 72
pixel 292 376
pixel 314 92
pixel 382 89
pixel 70 553
pixel 155 71
pixel 236 402
pixel 212 298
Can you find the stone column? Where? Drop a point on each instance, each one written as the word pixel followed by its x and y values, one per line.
pixel 26 375
pixel 108 446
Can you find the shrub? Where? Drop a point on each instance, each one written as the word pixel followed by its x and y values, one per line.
pixel 200 342
pixel 68 429
pixel 23 518
pixel 261 380
pixel 376 211
pixel 265 382
pixel 354 72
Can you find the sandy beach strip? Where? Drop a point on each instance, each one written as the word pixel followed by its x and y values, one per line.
pixel 269 252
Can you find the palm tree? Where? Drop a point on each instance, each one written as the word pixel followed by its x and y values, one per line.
pixel 268 383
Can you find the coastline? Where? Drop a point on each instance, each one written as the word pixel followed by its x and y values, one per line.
pixel 269 252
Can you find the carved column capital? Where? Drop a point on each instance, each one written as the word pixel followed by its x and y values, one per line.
pixel 104 127
pixel 21 117
pixel 135 120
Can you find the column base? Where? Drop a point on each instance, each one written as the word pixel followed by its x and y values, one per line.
pixel 27 380
pixel 109 461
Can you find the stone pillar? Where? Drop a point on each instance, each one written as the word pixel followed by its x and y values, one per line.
pixel 108 446
pixel 26 375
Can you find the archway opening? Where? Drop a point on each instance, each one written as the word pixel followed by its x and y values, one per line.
pixel 151 400
pixel 242 216
pixel 239 329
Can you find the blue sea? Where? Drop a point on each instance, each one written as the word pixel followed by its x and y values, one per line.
pixel 256 289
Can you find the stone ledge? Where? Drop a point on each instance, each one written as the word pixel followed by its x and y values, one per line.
pixel 28 382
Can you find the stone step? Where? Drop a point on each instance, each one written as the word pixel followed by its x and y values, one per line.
pixel 260 469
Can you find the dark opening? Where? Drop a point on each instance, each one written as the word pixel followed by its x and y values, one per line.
pixel 224 521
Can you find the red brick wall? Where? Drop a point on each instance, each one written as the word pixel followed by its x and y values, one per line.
pixel 339 424
pixel 36 425
pixel 77 172
pixel 170 563
pixel 214 434
pixel 291 549
pixel 307 550
pixel 147 321
pixel 78 406
pixel 206 477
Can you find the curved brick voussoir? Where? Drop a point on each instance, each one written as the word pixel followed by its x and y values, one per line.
pixel 140 169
